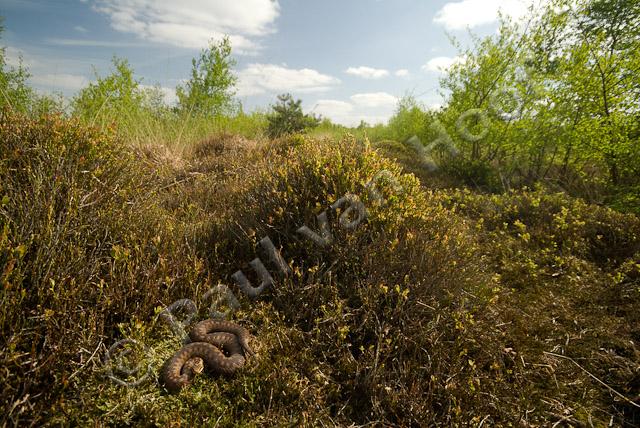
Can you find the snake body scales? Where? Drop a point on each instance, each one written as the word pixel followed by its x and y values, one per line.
pixel 209 339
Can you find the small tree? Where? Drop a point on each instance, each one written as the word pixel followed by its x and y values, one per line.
pixel 211 89
pixel 288 118
pixel 363 125
pixel 408 120
pixel 111 95
pixel 153 99
pixel 14 91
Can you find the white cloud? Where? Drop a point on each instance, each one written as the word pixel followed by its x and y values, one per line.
pixel 344 113
pixel 367 72
pixel 80 29
pixel 402 73
pixel 51 73
pixel 59 81
pixel 92 43
pixel 192 23
pixel 15 57
pixel 372 108
pixel 376 99
pixel 472 13
pixel 168 94
pixel 270 78
pixel 332 108
pixel 441 64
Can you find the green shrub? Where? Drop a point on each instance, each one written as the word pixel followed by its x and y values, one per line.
pixel 626 199
pixel 342 313
pixel 288 118
pixel 110 98
pixel 554 220
pixel 410 119
pixel 17 95
pixel 210 89
pixel 476 173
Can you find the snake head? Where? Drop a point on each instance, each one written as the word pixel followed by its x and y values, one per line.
pixel 193 367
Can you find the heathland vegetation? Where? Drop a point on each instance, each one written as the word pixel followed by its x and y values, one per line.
pixel 498 284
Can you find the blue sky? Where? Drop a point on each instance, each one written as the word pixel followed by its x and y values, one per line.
pixel 349 60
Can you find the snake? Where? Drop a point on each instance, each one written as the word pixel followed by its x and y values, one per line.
pixel 220 346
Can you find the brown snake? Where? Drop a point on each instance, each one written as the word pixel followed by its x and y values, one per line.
pixel 209 339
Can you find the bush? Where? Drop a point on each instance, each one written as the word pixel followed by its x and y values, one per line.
pixel 210 89
pixel 563 224
pixel 439 308
pixel 344 314
pixel 476 173
pixel 408 121
pixel 288 118
pixel 15 93
pixel 81 249
pixel 110 98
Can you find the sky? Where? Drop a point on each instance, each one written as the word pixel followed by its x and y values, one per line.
pixel 348 60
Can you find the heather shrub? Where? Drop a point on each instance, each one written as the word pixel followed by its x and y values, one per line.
pixel 80 251
pixel 439 307
pixel 557 221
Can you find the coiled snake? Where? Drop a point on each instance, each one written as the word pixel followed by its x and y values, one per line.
pixel 209 339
